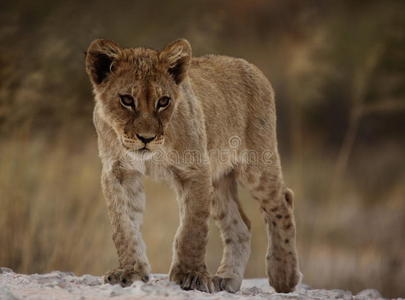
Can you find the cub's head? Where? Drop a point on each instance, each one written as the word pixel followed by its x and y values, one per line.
pixel 137 89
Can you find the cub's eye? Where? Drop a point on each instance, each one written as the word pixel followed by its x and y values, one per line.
pixel 163 102
pixel 127 100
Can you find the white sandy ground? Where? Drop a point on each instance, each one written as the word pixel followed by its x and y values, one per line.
pixel 62 285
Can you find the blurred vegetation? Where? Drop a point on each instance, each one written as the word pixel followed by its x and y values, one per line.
pixel 338 68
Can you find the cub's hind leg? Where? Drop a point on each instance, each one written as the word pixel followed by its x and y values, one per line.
pixel 276 203
pixel 235 233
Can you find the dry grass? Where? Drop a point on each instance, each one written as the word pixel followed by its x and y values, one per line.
pixel 53 216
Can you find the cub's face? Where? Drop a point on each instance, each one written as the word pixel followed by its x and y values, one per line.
pixel 137 90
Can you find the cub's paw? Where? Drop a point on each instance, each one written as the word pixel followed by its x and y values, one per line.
pixel 192 280
pixel 231 285
pixel 124 277
pixel 283 274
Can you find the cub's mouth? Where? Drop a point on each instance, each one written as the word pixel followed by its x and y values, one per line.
pixel 143 150
pixel 133 148
pixel 140 147
pixel 136 147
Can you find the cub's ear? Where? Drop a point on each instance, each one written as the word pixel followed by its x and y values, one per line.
pixel 99 59
pixel 176 58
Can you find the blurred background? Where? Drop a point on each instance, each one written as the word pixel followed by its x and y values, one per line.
pixel 338 69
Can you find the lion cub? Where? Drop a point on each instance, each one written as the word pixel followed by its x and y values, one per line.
pixel 205 124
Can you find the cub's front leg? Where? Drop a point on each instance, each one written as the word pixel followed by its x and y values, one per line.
pixel 123 191
pixel 188 269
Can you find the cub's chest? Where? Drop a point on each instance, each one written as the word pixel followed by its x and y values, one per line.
pixel 155 167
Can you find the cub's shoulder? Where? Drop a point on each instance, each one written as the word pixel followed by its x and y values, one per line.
pixel 223 66
pixel 229 72
pixel 218 61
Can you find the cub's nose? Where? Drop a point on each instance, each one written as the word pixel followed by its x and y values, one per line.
pixel 145 138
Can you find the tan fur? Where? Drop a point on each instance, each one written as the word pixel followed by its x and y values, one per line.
pixel 218 129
